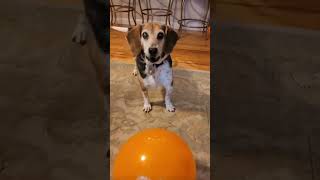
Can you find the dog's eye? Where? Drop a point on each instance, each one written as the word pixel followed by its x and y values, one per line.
pixel 160 36
pixel 145 35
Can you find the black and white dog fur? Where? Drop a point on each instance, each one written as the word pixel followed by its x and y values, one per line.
pixel 152 44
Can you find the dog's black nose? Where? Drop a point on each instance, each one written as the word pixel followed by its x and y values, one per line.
pixel 153 51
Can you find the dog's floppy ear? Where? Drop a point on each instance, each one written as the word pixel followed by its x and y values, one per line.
pixel 171 39
pixel 133 38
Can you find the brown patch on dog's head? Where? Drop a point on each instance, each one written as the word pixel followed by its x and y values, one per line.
pixel 171 39
pixel 151 26
pixel 153 39
pixel 133 38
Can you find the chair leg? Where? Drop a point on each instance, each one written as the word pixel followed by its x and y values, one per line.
pixel 129 18
pixel 111 13
pixel 166 20
pixel 129 5
pixel 148 16
pixel 169 9
pixel 181 15
pixel 208 32
pixel 142 16
pixel 133 12
pixel 115 18
pixel 134 18
pixel 180 27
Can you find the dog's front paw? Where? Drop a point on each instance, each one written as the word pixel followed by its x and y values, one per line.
pixel 170 108
pixel 135 72
pixel 147 107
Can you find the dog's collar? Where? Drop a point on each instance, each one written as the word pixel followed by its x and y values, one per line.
pixel 157 65
pixel 163 56
pixel 162 62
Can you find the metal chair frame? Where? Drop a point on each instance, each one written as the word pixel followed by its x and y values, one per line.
pixel 183 20
pixel 130 9
pixel 151 11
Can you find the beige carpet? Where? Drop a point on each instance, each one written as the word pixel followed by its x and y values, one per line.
pixel 191 120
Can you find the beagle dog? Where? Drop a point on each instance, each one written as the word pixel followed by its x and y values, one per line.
pixel 151 45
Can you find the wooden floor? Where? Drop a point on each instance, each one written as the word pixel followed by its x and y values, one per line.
pixel 191 52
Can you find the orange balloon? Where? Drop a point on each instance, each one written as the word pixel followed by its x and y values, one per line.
pixel 154 154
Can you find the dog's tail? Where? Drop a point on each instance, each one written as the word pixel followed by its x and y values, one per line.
pixel 121 29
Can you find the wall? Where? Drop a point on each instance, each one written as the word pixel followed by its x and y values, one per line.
pixel 193 9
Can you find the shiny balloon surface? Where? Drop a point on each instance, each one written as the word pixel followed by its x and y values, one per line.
pixel 154 154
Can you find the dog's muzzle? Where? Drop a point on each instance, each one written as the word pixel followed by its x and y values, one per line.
pixel 153 52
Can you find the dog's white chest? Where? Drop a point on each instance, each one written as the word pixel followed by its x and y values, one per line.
pixel 150 81
pixel 161 77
